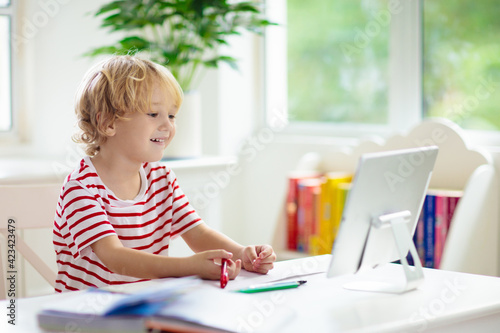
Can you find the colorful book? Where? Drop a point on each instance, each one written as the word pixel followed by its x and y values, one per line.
pixel 342 192
pixel 324 216
pixel 433 225
pixel 452 205
pixel 419 236
pixel 308 189
pixel 314 238
pixel 331 204
pixel 292 203
pixel 429 230
pixel 440 228
pixel 444 215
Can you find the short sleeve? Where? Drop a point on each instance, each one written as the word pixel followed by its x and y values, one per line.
pixel 82 218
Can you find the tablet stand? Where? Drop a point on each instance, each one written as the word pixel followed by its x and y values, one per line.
pixel 414 275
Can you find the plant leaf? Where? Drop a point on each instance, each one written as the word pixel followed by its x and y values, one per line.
pixel 179 34
pixel 245 7
pixel 109 7
pixel 134 42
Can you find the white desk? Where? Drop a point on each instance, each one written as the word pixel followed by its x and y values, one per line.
pixel 446 302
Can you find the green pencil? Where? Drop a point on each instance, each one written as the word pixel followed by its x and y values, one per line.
pixel 271 286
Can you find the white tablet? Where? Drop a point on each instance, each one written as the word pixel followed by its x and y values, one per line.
pixel 388 187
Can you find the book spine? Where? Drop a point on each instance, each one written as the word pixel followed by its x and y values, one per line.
pixel 452 205
pixel 441 221
pixel 419 236
pixel 301 218
pixel 429 230
pixel 331 210
pixel 324 217
pixel 314 244
pixel 291 213
pixel 342 190
pixel 308 208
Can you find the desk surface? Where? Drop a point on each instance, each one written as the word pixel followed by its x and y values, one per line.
pixel 445 302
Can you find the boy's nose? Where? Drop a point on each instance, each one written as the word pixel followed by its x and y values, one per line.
pixel 167 124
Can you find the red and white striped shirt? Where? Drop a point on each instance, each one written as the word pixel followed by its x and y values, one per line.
pixel 88 211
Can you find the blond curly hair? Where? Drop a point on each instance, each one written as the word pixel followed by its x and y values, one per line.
pixel 113 88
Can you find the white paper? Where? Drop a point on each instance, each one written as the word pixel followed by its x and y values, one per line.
pixel 282 271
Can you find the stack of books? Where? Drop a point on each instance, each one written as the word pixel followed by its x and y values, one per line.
pixel 314 206
pixel 433 225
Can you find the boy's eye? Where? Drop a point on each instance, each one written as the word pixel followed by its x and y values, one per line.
pixel 153 114
pixel 171 116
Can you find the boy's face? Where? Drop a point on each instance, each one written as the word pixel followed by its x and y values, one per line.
pixel 143 137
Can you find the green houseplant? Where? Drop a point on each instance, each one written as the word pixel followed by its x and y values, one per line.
pixel 183 35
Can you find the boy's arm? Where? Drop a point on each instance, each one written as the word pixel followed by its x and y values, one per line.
pixel 140 264
pixel 257 258
pixel 203 238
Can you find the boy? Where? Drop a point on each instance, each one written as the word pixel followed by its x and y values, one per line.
pixel 119 209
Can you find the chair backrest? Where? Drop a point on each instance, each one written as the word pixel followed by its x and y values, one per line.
pixel 25 207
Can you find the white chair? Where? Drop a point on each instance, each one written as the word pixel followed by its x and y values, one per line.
pixel 25 207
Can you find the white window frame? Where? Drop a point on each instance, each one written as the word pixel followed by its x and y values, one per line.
pixel 9 135
pixel 405 106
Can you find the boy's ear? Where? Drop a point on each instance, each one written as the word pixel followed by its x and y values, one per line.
pixel 110 130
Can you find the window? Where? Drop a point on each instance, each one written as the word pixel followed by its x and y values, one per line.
pixel 338 66
pixel 5 67
pixel 368 66
pixel 338 61
pixel 462 62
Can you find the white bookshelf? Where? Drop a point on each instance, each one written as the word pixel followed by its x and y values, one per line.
pixel 472 244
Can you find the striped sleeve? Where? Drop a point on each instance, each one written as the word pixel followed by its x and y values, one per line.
pixel 83 219
pixel 184 217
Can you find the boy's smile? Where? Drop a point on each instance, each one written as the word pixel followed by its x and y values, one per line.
pixel 159 140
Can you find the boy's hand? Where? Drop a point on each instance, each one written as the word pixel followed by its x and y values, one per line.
pixel 258 258
pixel 207 264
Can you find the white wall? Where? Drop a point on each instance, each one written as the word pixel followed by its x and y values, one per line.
pixel 48 67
